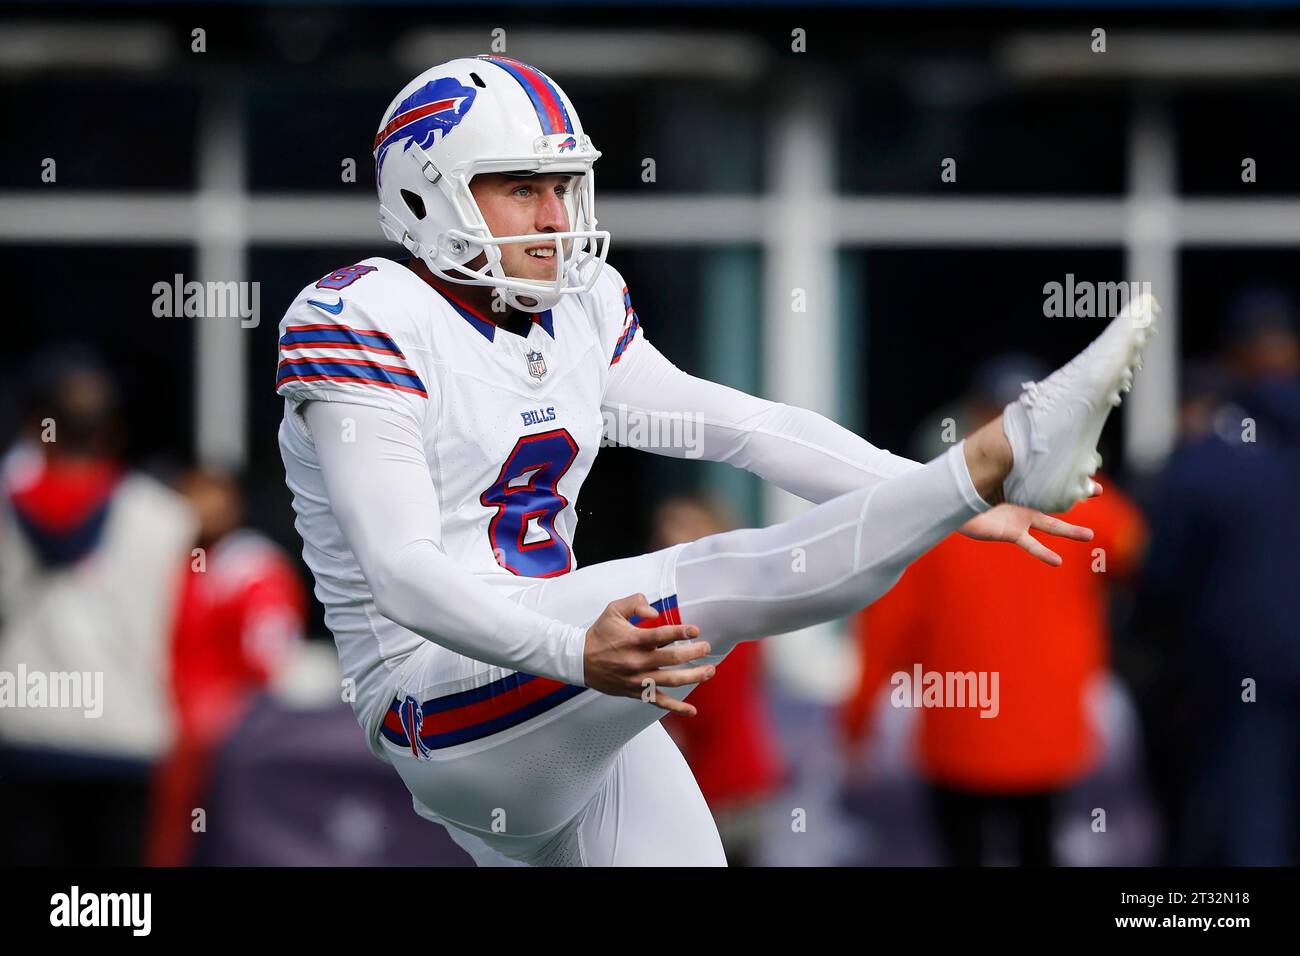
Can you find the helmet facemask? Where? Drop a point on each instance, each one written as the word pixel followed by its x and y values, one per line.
pixel 449 252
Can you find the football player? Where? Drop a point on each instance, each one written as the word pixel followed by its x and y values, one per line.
pixel 440 417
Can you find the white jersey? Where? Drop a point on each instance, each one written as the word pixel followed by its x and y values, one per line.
pixel 510 425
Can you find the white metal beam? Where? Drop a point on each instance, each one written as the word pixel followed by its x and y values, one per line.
pixel 1151 253
pixel 220 344
pixel 30 45
pixel 682 220
pixel 1131 54
pixel 607 54
pixel 800 333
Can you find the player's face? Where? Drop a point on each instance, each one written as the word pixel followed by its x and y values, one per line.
pixel 515 206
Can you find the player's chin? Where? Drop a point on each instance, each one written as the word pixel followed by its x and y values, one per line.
pixel 542 270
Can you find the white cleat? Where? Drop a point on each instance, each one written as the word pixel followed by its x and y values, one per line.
pixel 1054 425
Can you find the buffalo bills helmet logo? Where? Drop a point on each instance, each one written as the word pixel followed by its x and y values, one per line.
pixel 412 715
pixel 567 145
pixel 435 108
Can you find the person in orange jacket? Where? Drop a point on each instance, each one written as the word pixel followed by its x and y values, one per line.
pixel 1028 641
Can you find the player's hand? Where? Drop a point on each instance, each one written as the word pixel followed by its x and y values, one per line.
pixel 624 660
pixel 1013 523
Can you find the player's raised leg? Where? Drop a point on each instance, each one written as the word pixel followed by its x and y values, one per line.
pixel 1041 453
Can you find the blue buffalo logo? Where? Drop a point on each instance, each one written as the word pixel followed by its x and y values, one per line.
pixel 567 145
pixel 439 105
pixel 412 715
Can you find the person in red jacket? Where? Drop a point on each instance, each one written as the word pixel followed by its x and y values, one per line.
pixel 1038 636
pixel 729 744
pixel 241 615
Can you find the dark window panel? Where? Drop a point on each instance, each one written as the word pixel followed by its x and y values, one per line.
pixel 60 294
pixel 702 137
pixel 300 133
pixel 1217 129
pixel 103 132
pixel 1212 279
pixel 1006 141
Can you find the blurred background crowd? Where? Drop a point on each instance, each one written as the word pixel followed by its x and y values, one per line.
pixel 855 209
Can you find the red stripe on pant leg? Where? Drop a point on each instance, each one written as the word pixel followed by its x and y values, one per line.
pixel 470 714
pixel 467 716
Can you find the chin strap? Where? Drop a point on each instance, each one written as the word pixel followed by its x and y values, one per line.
pixel 540 302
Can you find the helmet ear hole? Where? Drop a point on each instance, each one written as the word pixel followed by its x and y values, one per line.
pixel 414 203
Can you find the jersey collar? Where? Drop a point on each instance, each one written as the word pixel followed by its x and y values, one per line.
pixel 485 326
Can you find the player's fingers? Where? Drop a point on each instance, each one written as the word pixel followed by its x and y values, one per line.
pixel 1039 550
pixel 653 637
pixel 1059 528
pixel 625 607
pixel 679 653
pixel 671 704
pixel 1094 488
pixel 684 676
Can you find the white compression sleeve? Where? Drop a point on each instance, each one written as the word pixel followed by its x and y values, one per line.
pixel 381 492
pixel 828 562
pixel 795 449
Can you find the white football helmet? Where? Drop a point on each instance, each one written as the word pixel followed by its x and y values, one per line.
pixel 475 115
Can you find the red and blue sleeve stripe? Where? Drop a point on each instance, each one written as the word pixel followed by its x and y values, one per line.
pixel 360 371
pixel 338 337
pixel 624 340
pixel 369 358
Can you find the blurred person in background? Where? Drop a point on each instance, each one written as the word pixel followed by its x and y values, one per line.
pixel 730 743
pixel 1222 577
pixel 1042 630
pixel 90 558
pixel 1152 660
pixel 1202 388
pixel 241 616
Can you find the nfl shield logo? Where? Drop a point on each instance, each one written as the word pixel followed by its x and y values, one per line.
pixel 536 365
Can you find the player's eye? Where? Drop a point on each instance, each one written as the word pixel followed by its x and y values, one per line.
pixel 523 192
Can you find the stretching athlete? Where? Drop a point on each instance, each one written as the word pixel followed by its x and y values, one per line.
pixel 440 417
